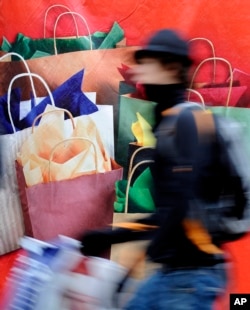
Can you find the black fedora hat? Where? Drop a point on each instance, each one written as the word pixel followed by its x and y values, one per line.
pixel 165 42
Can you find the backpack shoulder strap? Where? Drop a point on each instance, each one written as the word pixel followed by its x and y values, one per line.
pixel 204 119
pixel 205 124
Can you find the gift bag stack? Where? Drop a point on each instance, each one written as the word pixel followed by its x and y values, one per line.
pixel 67 190
pixel 50 153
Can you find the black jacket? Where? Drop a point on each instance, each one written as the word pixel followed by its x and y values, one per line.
pixel 179 156
pixel 176 161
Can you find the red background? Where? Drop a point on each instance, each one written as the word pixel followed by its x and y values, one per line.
pixel 225 23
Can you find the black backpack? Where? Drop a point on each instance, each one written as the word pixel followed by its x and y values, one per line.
pixel 227 218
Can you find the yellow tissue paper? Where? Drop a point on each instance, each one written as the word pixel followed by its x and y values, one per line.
pixel 142 131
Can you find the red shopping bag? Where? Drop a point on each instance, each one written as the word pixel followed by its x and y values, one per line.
pixel 244 80
pixel 218 94
pixel 69 207
pixel 66 184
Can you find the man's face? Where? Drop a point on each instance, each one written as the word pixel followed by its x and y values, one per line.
pixel 152 71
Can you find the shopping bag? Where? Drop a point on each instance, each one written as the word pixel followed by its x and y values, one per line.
pixel 217 94
pixel 54 275
pixel 70 207
pixel 68 96
pixel 63 173
pixel 33 48
pixel 133 202
pixel 139 196
pixel 104 120
pixel 100 72
pixel 85 284
pixel 244 80
pixel 11 219
pixel 36 272
pixel 134 193
pixel 128 107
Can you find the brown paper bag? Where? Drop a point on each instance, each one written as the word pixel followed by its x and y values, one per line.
pixel 100 68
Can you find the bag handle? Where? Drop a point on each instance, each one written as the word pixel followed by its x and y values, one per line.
pixel 66 141
pixel 198 94
pixel 9 92
pixel 212 49
pixel 26 67
pixel 143 162
pixel 54 111
pixel 230 72
pixel 131 162
pixel 46 15
pixel 82 18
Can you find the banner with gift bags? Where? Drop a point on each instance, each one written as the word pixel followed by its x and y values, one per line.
pixel 66 178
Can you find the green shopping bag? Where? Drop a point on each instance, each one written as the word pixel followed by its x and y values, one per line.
pixel 139 194
pixel 127 109
pixel 33 48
